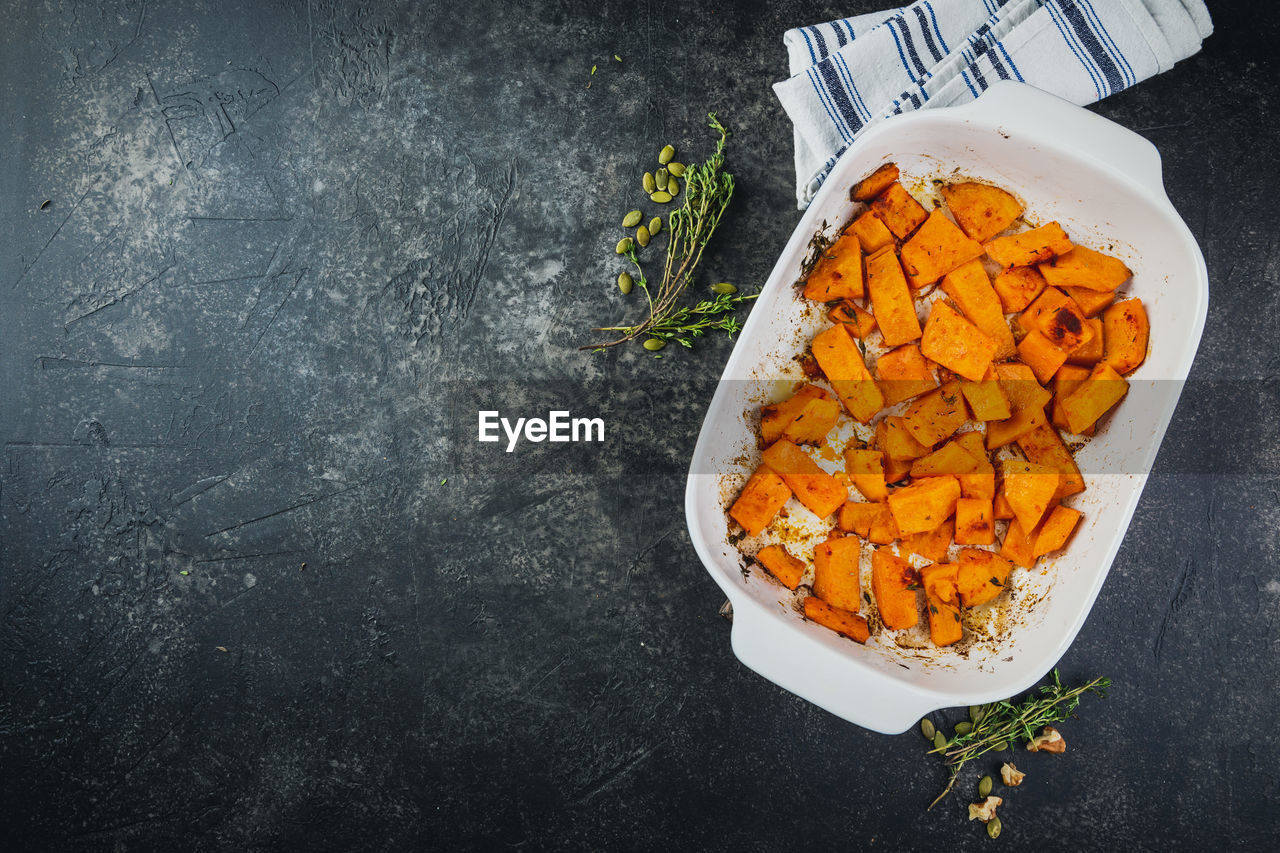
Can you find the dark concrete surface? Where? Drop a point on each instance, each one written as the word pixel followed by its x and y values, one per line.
pixel 260 591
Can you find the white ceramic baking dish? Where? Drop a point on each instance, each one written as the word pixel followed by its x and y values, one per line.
pixel 1103 183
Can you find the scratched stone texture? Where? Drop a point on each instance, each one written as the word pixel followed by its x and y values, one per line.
pixel 258 591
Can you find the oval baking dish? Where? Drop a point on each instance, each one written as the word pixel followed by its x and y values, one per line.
pixel 1103 184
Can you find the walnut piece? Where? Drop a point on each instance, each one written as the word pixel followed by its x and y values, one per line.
pixel 1011 775
pixel 1048 741
pixel 984 810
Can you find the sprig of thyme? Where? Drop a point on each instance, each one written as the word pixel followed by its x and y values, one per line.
pixel 1002 723
pixel 708 190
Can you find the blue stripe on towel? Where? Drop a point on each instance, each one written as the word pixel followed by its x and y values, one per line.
pixel 1095 48
pixel 1009 61
pixel 1105 35
pixel 840 97
pixel 826 105
pixel 847 75
pixel 1055 13
pixel 928 36
pixel 937 31
pixel 907 41
pixel 808 43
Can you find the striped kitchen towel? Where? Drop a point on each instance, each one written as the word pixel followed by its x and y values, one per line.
pixel 851 73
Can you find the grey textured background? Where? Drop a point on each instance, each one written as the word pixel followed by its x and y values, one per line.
pixel 289 244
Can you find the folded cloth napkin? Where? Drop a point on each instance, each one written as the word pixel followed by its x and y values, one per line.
pixel 849 74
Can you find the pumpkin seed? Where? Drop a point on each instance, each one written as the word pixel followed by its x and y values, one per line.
pixel 975 713
pixel 963 728
pixel 676 169
pixel 655 226
pixel 927 728
pixel 993 827
pixel 660 197
pixel 642 236
pixel 632 219
pixel 673 186
pixel 625 282
pixel 984 787
pixel 1002 746
pixel 649 183
pixel 624 245
pixel 661 177
pixel 724 288
pixel 665 155
pixel 654 344
pixel 939 740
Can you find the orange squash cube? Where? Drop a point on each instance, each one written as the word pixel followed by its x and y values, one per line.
pixel 820 492
pixel 884 529
pixel 1090 301
pixel 844 623
pixel 932 544
pixel 951 458
pixel 1044 446
pixel 937 247
pixel 857 517
pixel 1090 352
pixel 901 213
pixel 1029 488
pixel 987 399
pixel 925 504
pixel 776 417
pixel 838 273
pixel 856 322
pixel 1040 354
pixel 975 523
pixel 1125 333
pixel 779 563
pixel 970 287
pixel 1017 287
pixel 845 368
pixel 835 572
pixel 891 300
pixel 866 469
pixel 1018 546
pixel 897 442
pixel 764 494
pixel 983 211
pixel 1067 379
pixel 1028 247
pixel 1094 397
pixel 894 583
pixel 956 344
pixel 981 576
pixel 871 232
pixel 1055 530
pixel 903 373
pixel 813 422
pixel 1085 268
pixel 875 183
pixel 936 415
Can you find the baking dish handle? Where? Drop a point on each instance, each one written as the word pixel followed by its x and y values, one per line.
pixel 1029 110
pixel 812 666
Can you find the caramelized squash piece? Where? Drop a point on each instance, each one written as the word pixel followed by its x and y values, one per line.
pixel 845 368
pixel 1017 287
pixel 903 373
pixel 1030 488
pixel 1090 301
pixel 764 494
pixel 1018 546
pixel 813 422
pixel 875 183
pixel 871 232
pixel 1093 398
pixel 820 492
pixel 936 248
pixel 1041 355
pixel 943 603
pixel 982 576
pixel 970 288
pixel 1067 379
pixel 779 563
pixel 897 442
pixel 838 273
pixel 1125 330
pixel 835 572
pixel 891 299
pixel 857 517
pixel 983 211
pixel 1055 530
pixel 1028 247
pixel 1044 446
pixel 950 458
pixel 1090 352
pixel 775 417
pixel 987 399
pixel 856 321
pixel 901 213
pixel 884 528
pixel 843 622
pixel 924 504
pixel 1085 268
pixel 894 583
pixel 866 469
pixel 956 344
